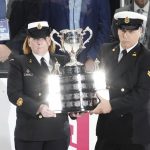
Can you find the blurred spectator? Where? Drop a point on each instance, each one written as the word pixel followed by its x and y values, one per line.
pixel 9 4
pixel 115 4
pixel 127 2
pixel 2 9
pixel 3 21
pixel 21 13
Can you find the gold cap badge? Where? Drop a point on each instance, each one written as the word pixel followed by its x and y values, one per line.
pixel 39 26
pixel 19 102
pixel 126 20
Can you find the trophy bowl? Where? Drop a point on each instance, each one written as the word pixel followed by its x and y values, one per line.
pixel 72 42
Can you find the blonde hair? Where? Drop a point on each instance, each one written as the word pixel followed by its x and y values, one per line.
pixel 27 49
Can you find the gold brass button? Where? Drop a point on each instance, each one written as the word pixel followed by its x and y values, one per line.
pixel 122 115
pixel 122 89
pixel 40 116
pixel 19 101
pixel 40 94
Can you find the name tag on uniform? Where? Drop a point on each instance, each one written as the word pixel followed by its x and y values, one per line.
pixel 4 30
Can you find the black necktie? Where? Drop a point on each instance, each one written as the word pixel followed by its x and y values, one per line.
pixel 140 11
pixel 44 65
pixel 124 53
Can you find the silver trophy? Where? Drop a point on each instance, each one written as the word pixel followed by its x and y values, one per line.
pixel 74 89
pixel 72 42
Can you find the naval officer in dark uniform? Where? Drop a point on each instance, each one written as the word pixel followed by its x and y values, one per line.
pixel 37 126
pixel 123 122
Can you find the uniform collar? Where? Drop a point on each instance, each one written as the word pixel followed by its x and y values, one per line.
pixel 46 58
pixel 128 50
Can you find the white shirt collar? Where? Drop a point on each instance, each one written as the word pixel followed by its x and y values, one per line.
pixel 145 8
pixel 46 57
pixel 128 50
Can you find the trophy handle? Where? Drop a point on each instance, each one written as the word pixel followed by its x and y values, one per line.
pixel 87 29
pixel 57 33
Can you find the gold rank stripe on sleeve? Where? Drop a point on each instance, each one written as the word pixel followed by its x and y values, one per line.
pixel 19 102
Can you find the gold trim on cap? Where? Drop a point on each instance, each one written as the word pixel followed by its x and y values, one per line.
pixel 19 101
pixel 126 20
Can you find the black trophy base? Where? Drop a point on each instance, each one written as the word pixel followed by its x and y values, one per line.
pixel 79 105
pixel 77 90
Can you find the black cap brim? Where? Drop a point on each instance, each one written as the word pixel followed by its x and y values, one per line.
pixel 39 33
pixel 126 27
pixel 129 24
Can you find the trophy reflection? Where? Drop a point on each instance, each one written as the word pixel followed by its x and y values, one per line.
pixel 72 42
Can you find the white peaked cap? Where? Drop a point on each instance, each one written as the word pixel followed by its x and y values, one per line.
pixel 129 14
pixel 38 24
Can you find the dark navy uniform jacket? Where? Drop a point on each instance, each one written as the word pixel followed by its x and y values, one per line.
pixel 129 84
pixel 27 89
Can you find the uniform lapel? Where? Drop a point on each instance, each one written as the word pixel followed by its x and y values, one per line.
pixel 33 65
pixel 127 62
pixel 115 53
pixel 112 58
pixel 110 61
